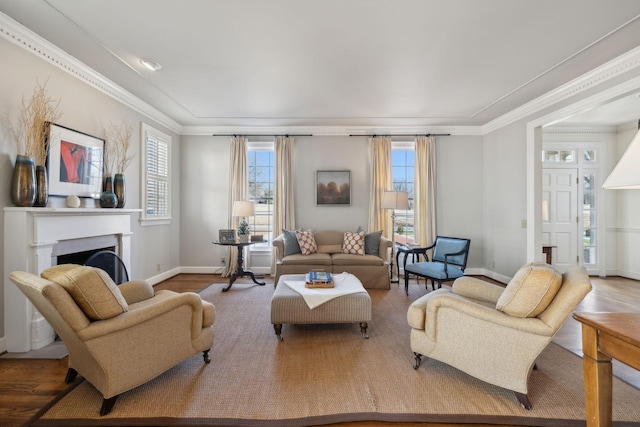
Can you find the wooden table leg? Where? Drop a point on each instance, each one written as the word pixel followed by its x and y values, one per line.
pixel 597 380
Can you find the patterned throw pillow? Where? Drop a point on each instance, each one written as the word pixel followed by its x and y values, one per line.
pixel 307 242
pixel 353 243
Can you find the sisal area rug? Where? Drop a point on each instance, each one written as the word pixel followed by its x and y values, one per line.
pixel 324 374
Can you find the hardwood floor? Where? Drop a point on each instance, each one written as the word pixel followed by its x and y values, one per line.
pixel 27 385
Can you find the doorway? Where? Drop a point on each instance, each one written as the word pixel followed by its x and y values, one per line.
pixel 570 209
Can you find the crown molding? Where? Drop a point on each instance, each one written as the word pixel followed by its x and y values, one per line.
pixel 608 71
pixel 580 130
pixel 16 33
pixel 330 130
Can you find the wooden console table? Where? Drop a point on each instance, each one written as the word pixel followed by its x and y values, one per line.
pixel 606 336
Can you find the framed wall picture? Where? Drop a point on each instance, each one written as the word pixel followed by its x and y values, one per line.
pixel 333 188
pixel 227 236
pixel 75 163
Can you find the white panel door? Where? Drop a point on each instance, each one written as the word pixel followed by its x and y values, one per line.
pixel 560 215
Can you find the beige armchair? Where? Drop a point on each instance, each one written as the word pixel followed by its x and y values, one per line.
pixel 495 333
pixel 118 337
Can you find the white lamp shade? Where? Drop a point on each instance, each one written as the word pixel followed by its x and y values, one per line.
pixel 243 208
pixel 626 174
pixel 395 200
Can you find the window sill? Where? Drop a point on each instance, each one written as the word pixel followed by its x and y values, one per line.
pixel 152 222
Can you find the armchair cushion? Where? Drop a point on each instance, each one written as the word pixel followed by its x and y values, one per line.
pixel 91 288
pixel 530 291
pixel 135 291
pixel 435 270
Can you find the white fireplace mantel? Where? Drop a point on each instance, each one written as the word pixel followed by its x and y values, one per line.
pixel 30 235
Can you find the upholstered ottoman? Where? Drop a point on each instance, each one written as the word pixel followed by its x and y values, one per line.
pixel 289 306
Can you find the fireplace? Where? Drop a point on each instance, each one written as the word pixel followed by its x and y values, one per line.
pixel 38 238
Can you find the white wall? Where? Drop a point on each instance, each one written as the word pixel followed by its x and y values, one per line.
pixel 504 199
pixel 87 110
pixel 459 195
pixel 204 193
pixel 332 153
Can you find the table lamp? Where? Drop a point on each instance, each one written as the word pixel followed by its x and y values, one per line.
pixel 243 209
pixel 394 200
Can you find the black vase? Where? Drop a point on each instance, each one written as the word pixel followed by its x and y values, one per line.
pixel 42 187
pixel 23 182
pixel 108 198
pixel 118 188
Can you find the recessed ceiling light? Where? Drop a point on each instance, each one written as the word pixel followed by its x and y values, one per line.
pixel 151 65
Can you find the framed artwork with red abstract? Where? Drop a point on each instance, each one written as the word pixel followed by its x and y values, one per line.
pixel 75 163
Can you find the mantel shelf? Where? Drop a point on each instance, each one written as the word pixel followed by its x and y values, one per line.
pixel 71 211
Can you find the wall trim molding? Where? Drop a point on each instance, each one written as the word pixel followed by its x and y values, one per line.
pixel 608 71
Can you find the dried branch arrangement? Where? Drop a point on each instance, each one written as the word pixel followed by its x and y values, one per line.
pixel 118 142
pixel 31 130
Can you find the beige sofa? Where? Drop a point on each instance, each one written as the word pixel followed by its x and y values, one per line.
pixel 372 270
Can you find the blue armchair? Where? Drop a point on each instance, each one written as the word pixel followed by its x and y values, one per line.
pixel 447 263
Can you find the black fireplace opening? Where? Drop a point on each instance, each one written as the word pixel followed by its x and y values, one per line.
pixel 80 258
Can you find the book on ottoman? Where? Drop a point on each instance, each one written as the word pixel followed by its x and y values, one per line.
pixel 319 279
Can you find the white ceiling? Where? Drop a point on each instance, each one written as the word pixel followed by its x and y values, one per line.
pixel 377 63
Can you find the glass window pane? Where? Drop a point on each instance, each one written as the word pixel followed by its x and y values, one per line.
pixel 559 156
pixel 398 157
pixel 589 156
pixel 261 178
pixel 403 162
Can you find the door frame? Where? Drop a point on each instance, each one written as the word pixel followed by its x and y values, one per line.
pixel 582 168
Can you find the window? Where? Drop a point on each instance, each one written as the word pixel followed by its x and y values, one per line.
pixel 260 163
pixel 156 176
pixel 559 156
pixel 402 170
pixel 589 215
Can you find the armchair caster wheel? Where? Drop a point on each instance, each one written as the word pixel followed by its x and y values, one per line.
pixel 418 357
pixel 205 355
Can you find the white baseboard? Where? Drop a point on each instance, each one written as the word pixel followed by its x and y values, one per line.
pixel 624 274
pixel 154 280
pixel 488 273
pixel 203 270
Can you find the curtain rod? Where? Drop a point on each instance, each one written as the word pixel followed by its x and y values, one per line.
pixel 285 135
pixel 404 134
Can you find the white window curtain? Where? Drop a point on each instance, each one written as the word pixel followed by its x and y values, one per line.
pixel 284 209
pixel 380 157
pixel 238 176
pixel 424 190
